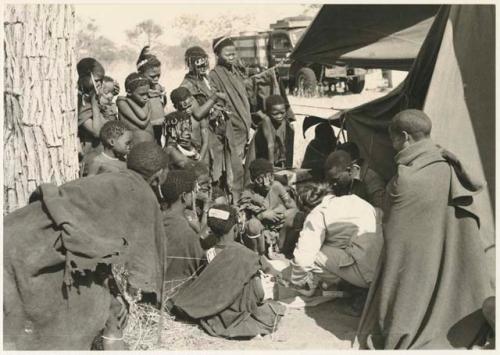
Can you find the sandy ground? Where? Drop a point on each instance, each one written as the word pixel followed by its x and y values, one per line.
pixel 327 326
pixel 323 327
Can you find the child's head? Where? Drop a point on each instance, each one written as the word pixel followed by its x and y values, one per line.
pixel 222 220
pixel 179 185
pixel 182 99
pixel 408 127
pixel 90 75
pixel 149 66
pixel 107 91
pixel 116 136
pixel 137 88
pixel 197 60
pixel 149 160
pixel 261 173
pixel 178 127
pixel 276 108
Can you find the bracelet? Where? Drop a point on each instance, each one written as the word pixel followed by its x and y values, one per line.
pixel 112 339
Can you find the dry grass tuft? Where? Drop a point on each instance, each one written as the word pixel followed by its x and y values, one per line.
pixel 148 328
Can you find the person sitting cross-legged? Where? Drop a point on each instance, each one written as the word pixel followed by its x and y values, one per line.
pixel 227 299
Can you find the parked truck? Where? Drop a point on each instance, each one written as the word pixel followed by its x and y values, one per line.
pixel 272 47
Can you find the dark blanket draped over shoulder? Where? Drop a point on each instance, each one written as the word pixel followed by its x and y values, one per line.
pixel 226 298
pixel 432 279
pixel 233 85
pixel 53 246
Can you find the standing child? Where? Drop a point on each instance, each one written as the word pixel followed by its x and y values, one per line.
pixel 132 109
pixel 149 67
pixel 273 134
pixel 109 90
pixel 116 139
pixel 90 120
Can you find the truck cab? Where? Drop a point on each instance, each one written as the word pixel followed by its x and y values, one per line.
pixel 269 48
pixel 280 46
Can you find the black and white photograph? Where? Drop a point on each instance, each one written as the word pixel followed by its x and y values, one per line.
pixel 249 176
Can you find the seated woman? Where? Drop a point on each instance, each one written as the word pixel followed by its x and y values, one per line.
pixel 341 238
pixel 227 298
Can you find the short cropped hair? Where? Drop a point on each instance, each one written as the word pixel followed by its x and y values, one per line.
pixel 336 162
pixel 112 130
pixel 336 166
pixel 415 122
pixel 221 218
pixel 180 94
pixel 177 183
pixel 147 158
pixel 260 167
pixel 135 80
pixel 274 100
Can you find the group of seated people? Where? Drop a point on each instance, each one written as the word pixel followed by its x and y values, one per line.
pixel 224 213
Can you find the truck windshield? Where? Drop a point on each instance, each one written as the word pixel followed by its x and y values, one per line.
pixel 296 34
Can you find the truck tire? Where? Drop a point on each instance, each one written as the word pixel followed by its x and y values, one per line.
pixel 306 81
pixel 356 85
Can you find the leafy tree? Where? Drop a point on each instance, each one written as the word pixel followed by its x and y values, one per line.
pixel 145 33
pixel 90 44
pixel 192 26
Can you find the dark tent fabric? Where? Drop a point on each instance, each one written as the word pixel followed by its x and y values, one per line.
pixel 368 36
pixel 452 80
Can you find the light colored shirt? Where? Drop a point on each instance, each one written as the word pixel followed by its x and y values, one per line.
pixel 346 222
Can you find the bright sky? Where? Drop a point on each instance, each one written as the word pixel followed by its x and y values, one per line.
pixel 114 19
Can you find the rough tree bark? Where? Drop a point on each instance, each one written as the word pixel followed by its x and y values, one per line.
pixel 40 119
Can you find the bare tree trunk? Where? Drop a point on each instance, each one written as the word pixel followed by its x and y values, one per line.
pixel 40 119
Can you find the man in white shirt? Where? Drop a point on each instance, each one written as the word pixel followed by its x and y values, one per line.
pixel 342 236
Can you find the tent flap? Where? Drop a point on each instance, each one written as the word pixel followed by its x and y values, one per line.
pixel 369 36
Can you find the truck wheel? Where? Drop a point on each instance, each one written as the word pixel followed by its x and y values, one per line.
pixel 356 85
pixel 306 82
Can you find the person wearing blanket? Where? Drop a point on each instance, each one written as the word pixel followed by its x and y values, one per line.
pixel 59 290
pixel 227 298
pixel 430 286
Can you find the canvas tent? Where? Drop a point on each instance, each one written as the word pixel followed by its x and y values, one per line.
pixel 368 36
pixel 453 81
